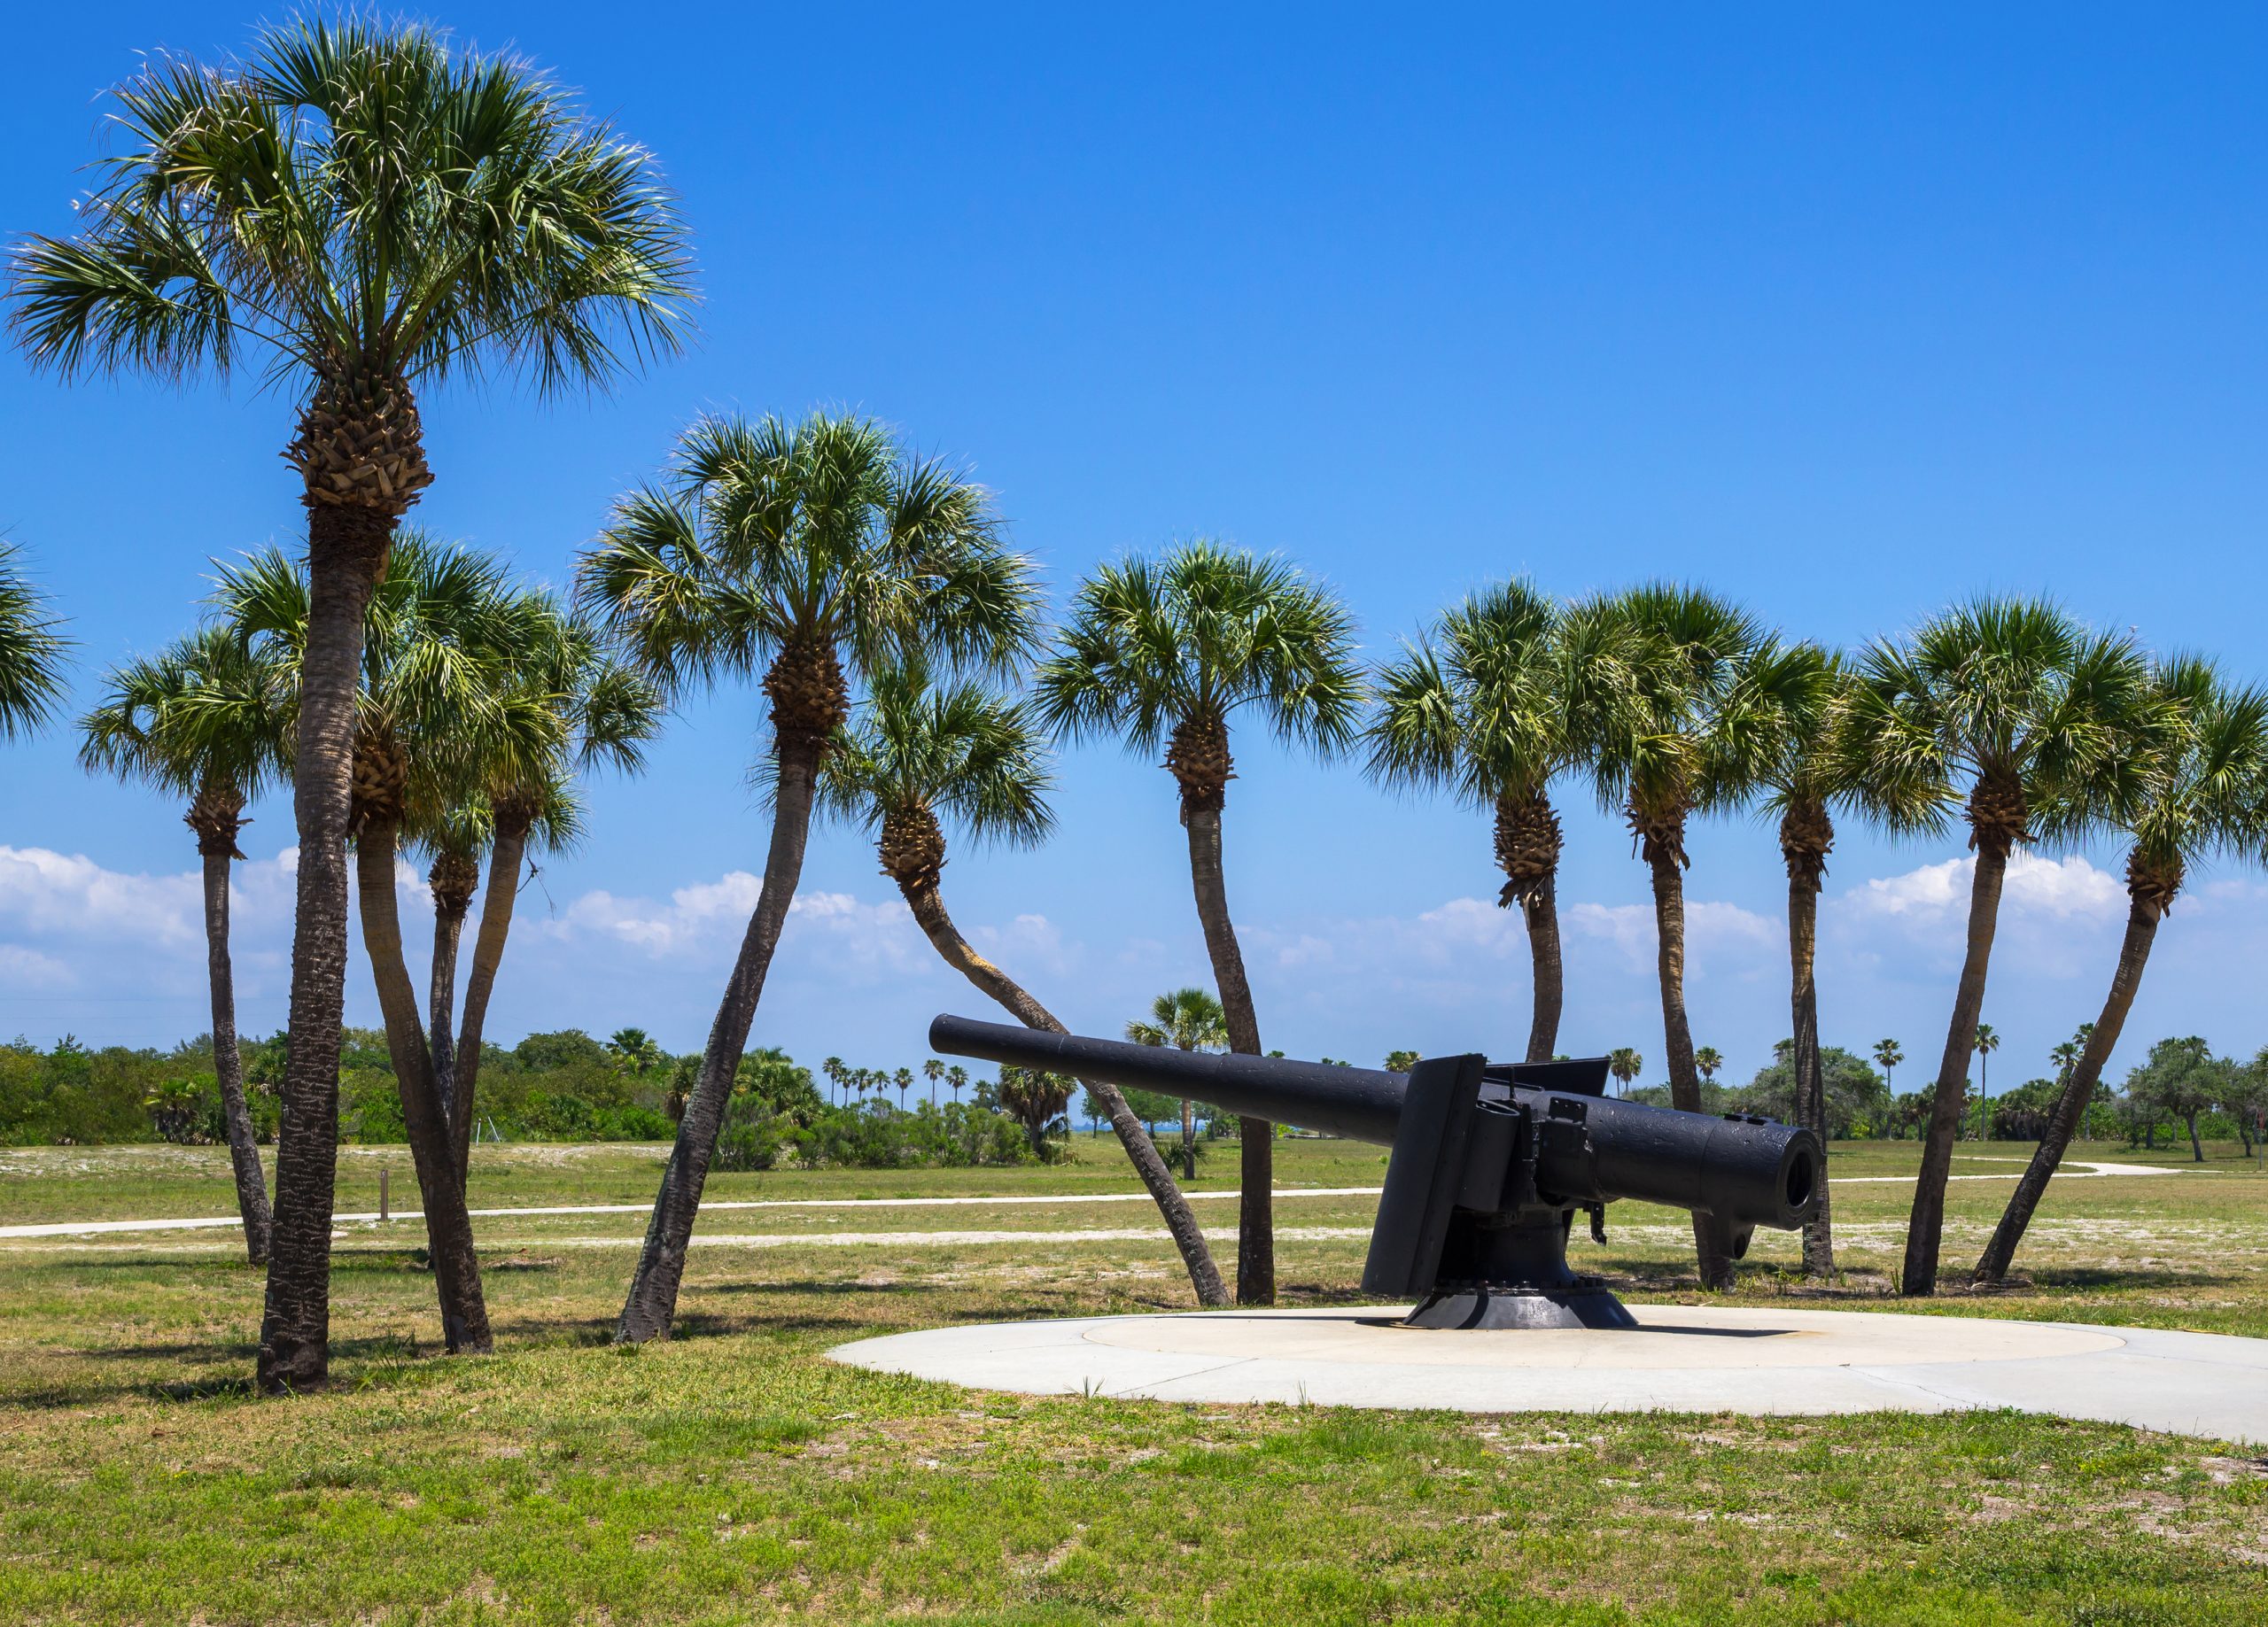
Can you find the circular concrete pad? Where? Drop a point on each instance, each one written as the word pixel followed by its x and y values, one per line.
pixel 1706 1359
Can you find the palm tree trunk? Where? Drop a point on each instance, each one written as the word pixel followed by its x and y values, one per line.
pixel 1663 863
pixel 1256 1215
pixel 929 910
pixel 1811 1084
pixel 441 1020
pixel 344 547
pixel 449 1227
pixel 1188 1139
pixel 504 858
pixel 651 1304
pixel 1926 1227
pixel 228 1061
pixel 2197 1147
pixel 1541 910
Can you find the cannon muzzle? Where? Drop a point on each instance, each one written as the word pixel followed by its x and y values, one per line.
pixel 1489 1162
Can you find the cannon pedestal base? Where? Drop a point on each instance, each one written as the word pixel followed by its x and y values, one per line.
pixel 1585 1304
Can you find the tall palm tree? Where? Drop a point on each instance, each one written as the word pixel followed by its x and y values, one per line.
pixel 208 719
pixel 2065 1056
pixel 919 752
pixel 1491 704
pixel 2191 791
pixel 1789 695
pixel 1164 653
pixel 1682 748
pixel 371 212
pixel 957 1080
pixel 31 651
pixel 1707 1061
pixel 1187 1019
pixel 1625 1065
pixel 1888 1055
pixel 1988 1040
pixel 933 1070
pixel 1992 707
pixel 791 549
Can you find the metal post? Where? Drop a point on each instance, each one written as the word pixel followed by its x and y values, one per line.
pixel 383 1173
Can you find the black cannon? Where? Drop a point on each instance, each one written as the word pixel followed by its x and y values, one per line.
pixel 1490 1162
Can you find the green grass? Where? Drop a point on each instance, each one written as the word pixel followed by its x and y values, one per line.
pixel 737 1474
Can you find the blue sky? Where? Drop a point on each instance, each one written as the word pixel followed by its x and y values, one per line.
pixel 1845 315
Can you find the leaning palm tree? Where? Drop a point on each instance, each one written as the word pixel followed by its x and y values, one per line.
pixel 1683 747
pixel 1187 1019
pixel 793 550
pixel 371 212
pixel 1995 708
pixel 1163 653
pixel 208 720
pixel 2191 791
pixel 918 752
pixel 31 651
pixel 1490 705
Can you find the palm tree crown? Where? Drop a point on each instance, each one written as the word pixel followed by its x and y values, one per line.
pixel 1163 652
pixel 363 202
pixel 208 717
pixel 31 651
pixel 913 751
pixel 1185 1019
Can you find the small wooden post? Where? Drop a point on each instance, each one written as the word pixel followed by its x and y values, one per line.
pixel 383 1173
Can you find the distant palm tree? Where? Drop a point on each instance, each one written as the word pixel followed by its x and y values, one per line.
pixel 31 651
pixel 933 1070
pixel 835 1072
pixel 1663 759
pixel 1888 1056
pixel 1401 1061
pixel 2191 790
pixel 1163 653
pixel 1625 1065
pixel 1035 1100
pixel 2065 1056
pixel 1187 1019
pixel 1992 707
pixel 1707 1061
pixel 917 753
pixel 792 550
pixel 636 1049
pixel 377 211
pixel 1987 1041
pixel 208 719
pixel 956 1079
pixel 904 1080
pixel 1492 704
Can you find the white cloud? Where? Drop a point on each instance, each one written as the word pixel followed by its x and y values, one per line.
pixel 1712 928
pixel 2069 890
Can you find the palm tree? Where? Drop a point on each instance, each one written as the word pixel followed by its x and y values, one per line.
pixel 205 719
pixel 1678 749
pixel 1491 704
pixel 2065 1056
pixel 31 651
pixel 1401 1061
pixel 1888 1056
pixel 957 1078
pixel 1035 1100
pixel 904 1080
pixel 917 751
pixel 1187 1019
pixel 1987 1043
pixel 2190 792
pixel 791 550
pixel 373 212
pixel 933 1070
pixel 1625 1065
pixel 1707 1061
pixel 1992 706
pixel 834 1071
pixel 1164 653
pixel 637 1050
pixel 1787 699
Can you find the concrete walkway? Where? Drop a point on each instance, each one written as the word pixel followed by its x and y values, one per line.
pixel 2078 1170
pixel 1689 1358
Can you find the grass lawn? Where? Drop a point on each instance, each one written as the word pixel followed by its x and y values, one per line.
pixel 737 1474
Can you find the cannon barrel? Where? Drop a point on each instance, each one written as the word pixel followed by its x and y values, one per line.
pixel 1744 1171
